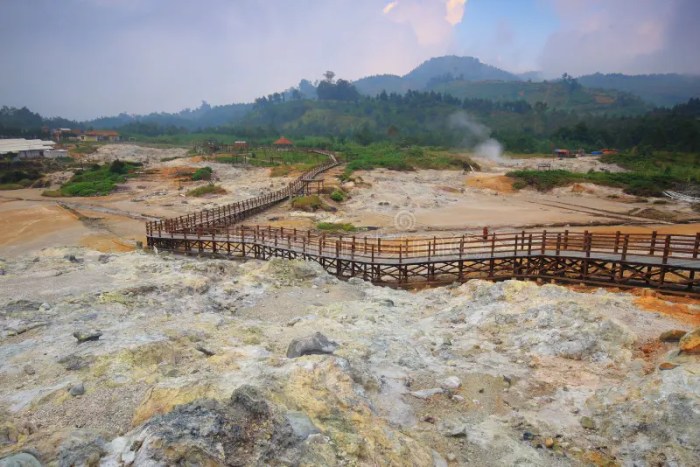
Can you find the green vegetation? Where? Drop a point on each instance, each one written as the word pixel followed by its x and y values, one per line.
pixel 336 227
pixel 394 157
pixel 338 196
pixel 202 174
pixel 210 189
pixel 308 203
pixel 98 180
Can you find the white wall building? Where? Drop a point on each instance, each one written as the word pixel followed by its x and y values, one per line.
pixel 25 148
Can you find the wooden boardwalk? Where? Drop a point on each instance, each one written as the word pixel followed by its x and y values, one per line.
pixel 668 263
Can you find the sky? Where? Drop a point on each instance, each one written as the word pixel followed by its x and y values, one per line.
pixel 83 59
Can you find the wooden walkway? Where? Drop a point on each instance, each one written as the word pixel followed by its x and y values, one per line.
pixel 668 263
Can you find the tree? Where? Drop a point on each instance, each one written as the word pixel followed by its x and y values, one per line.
pixel 329 75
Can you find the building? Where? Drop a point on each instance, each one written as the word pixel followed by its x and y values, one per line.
pixel 99 135
pixel 240 145
pixel 25 148
pixel 55 153
pixel 283 144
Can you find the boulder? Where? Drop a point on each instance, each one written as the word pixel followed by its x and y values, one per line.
pixel 86 336
pixel 451 382
pixel 81 448
pixel 23 459
pixel 674 335
pixel 311 345
pixel 77 389
pixel 245 430
pixel 690 343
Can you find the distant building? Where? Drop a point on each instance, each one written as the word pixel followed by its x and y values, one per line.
pixel 61 134
pixel 55 153
pixel 240 145
pixel 25 148
pixel 283 144
pixel 561 153
pixel 99 135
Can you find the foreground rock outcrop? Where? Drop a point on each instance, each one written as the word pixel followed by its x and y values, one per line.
pixel 212 362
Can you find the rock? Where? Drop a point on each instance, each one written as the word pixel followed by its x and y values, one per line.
pixel 451 382
pixel 426 393
pixel 527 436
pixel 316 344
pixel 690 343
pixel 587 423
pixel 549 443
pixel 301 424
pixel 387 302
pixel 204 350
pixel 673 335
pixel 293 321
pixel 23 459
pixel 104 259
pixel 459 431
pixel 86 336
pixel 82 448
pixel 73 259
pixel 667 366
pixel 245 430
pixel 77 390
pixel 28 369
pixel 75 362
pixel 438 460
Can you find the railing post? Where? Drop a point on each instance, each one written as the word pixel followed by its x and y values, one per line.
pixel 617 241
pixel 558 243
pixel 652 248
pixel 625 245
pixel 587 240
pixel 544 241
pixel 696 247
pixel 667 248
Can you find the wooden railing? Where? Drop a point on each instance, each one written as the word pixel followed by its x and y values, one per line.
pixel 235 212
pixel 375 249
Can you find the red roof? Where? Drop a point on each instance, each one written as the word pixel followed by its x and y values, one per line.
pixel 283 142
pixel 102 133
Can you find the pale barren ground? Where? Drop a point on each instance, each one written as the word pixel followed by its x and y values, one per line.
pixel 479 374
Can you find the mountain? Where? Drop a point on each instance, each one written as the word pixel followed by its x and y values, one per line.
pixel 562 94
pixel 432 72
pixel 660 89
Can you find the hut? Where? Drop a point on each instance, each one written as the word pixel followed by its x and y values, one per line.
pixel 283 144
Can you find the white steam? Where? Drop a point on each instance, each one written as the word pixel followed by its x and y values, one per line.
pixel 477 137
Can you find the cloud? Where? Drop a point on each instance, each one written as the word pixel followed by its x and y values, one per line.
pixel 432 21
pixel 640 36
pixel 455 11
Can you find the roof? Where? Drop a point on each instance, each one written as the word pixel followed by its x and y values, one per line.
pixel 21 144
pixel 283 142
pixel 102 133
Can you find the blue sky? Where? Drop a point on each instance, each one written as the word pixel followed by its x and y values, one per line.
pixel 86 58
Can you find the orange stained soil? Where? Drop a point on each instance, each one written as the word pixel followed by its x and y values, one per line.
pixel 105 244
pixel 499 183
pixel 680 308
pixel 26 224
pixel 177 172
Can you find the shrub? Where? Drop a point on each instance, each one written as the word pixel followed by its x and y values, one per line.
pixel 118 167
pixel 210 189
pixel 338 196
pixel 308 203
pixel 336 227
pixel 202 174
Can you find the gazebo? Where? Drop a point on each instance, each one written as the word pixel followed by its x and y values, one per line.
pixel 283 144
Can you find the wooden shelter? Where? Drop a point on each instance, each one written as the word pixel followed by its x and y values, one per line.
pixel 283 144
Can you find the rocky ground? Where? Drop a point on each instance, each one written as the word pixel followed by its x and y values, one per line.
pixel 138 359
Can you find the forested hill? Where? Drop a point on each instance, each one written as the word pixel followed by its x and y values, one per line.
pixel 431 72
pixel 661 89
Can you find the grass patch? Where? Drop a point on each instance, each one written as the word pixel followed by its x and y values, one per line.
pixel 202 174
pixel 336 227
pixel 309 203
pixel 393 157
pixel 210 189
pixel 98 180
pixel 338 196
pixel 632 183
pixel 11 186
